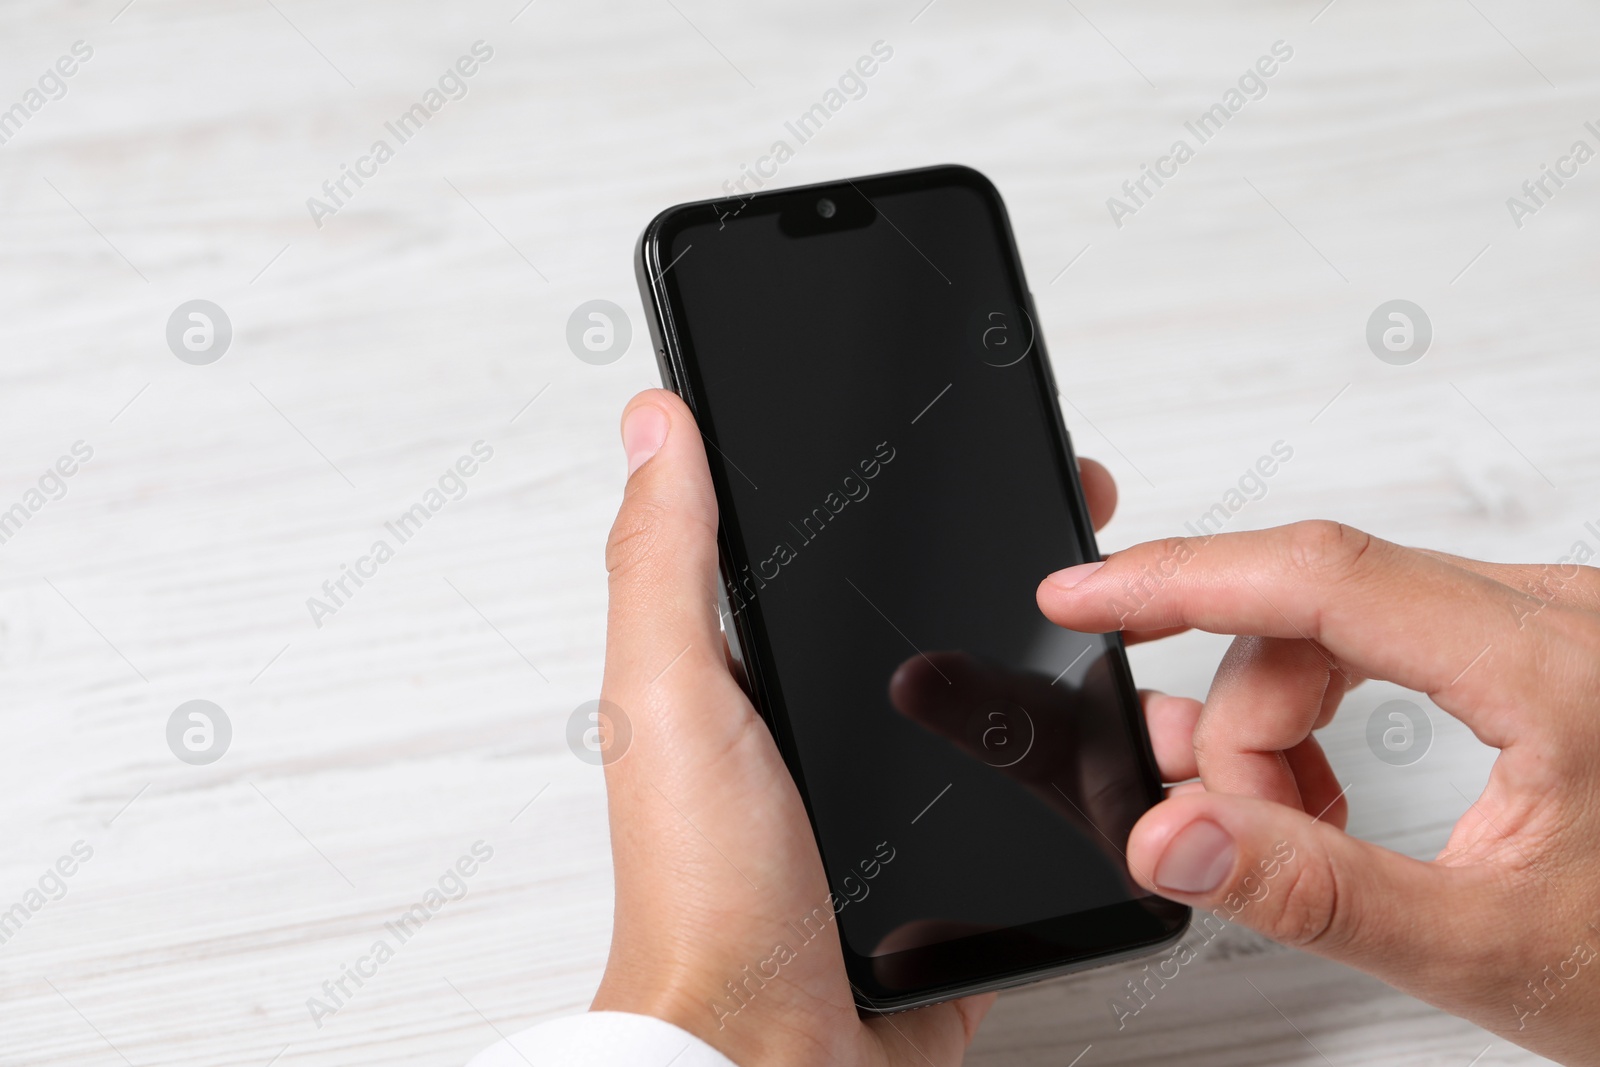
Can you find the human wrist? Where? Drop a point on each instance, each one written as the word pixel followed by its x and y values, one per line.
pixel 687 1000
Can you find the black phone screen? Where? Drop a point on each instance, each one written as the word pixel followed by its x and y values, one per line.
pixel 894 483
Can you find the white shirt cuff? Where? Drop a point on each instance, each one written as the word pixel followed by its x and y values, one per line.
pixel 602 1039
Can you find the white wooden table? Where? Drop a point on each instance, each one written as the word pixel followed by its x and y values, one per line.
pixel 369 754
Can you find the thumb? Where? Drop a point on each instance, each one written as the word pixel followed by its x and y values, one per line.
pixel 1310 885
pixel 933 1035
pixel 662 553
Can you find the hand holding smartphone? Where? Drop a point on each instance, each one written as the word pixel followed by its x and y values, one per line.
pixel 893 480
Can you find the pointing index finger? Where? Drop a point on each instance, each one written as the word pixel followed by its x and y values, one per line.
pixel 1387 611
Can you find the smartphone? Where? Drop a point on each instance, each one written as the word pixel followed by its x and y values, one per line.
pixel 894 480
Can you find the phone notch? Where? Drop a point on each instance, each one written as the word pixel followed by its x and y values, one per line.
pixel 826 209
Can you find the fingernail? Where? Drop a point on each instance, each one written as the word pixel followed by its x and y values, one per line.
pixel 644 431
pixel 1066 579
pixel 1197 860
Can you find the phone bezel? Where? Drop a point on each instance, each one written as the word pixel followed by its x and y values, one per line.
pixel 982 962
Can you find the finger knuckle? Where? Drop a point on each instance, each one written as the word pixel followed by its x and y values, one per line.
pixel 634 537
pixel 1310 910
pixel 1569 651
pixel 1576 628
pixel 1585 582
pixel 1174 548
pixel 1565 583
pixel 1324 550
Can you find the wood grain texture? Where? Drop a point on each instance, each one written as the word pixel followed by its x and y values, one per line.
pixel 372 351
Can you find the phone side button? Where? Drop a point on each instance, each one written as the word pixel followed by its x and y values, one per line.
pixel 1038 345
pixel 731 633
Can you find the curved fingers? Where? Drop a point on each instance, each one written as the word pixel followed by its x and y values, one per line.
pixel 1379 609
